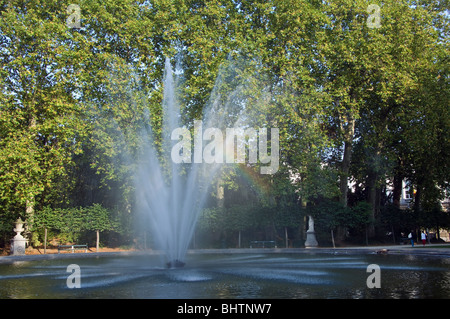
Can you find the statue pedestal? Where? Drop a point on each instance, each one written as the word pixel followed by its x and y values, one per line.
pixel 18 246
pixel 311 240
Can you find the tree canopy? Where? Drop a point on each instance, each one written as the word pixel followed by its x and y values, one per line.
pixel 358 90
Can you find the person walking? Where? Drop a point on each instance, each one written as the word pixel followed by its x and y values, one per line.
pixel 423 236
pixel 411 237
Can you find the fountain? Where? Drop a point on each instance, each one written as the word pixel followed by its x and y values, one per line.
pixel 172 204
pixel 172 188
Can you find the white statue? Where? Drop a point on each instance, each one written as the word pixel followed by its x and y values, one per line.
pixel 311 240
pixel 310 224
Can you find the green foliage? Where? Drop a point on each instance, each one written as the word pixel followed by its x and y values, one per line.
pixel 98 218
pixel 71 222
pixel 248 218
pixel 329 215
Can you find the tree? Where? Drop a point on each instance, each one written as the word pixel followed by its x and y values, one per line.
pixel 329 215
pixel 99 219
pixel 374 75
pixel 52 75
pixel 39 119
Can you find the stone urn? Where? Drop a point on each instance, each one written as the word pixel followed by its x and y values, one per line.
pixel 18 243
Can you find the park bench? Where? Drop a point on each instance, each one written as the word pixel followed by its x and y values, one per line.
pixel 262 244
pixel 72 247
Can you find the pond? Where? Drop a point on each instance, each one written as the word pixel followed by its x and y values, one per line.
pixel 228 276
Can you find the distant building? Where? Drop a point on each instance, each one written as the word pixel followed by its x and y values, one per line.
pixel 406 200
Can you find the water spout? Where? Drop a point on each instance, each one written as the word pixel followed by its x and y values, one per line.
pixel 173 184
pixel 171 195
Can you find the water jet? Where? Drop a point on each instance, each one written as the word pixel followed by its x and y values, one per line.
pixel 170 194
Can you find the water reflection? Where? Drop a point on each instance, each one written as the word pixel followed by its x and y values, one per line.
pixel 284 276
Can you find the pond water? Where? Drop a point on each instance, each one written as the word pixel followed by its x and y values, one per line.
pixel 226 276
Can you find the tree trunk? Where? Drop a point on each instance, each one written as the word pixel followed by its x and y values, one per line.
pixel 239 240
pixel 220 193
pixel 367 236
pixel 417 198
pixel 29 209
pixel 286 237
pixel 393 234
pixel 45 240
pixel 397 191
pixel 371 198
pixel 97 244
pixel 345 169
pixel 332 238
pixel 29 213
